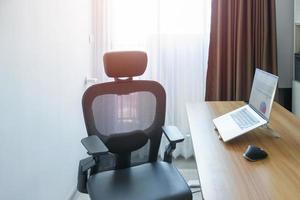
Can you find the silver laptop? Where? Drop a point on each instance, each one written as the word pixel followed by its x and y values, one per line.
pixel 252 115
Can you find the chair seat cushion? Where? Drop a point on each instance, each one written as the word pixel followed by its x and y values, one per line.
pixel 150 181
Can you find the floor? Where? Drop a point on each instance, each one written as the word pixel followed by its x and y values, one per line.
pixel 186 167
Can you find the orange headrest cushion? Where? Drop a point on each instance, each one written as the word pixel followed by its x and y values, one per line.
pixel 125 63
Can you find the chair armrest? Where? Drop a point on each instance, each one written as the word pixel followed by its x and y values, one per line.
pixel 94 145
pixel 173 134
pixel 82 177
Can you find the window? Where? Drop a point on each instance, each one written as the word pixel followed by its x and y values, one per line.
pixel 175 35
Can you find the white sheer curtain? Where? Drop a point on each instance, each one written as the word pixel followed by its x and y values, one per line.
pixel 175 35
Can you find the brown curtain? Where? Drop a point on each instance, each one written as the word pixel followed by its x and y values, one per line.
pixel 243 37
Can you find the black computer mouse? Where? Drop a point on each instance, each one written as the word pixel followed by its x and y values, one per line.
pixel 254 153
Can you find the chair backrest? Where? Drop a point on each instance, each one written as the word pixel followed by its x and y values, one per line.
pixel 126 114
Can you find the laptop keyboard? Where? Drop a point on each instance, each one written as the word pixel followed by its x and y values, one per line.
pixel 244 119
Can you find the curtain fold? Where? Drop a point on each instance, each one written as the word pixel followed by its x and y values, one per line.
pixel 243 37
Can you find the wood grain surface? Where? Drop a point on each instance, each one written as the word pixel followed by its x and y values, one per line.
pixel 225 174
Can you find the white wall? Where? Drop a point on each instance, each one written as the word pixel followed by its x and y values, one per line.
pixel 285 41
pixel 44 57
pixel 297 11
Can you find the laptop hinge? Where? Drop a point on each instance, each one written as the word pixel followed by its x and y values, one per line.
pixel 261 115
pixel 270 131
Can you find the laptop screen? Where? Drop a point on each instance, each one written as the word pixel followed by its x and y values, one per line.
pixel 263 92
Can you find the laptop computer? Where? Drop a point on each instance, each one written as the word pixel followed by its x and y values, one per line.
pixel 255 114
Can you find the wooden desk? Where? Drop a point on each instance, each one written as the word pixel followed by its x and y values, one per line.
pixel 225 174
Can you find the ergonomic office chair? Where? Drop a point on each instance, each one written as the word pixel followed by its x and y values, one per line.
pixel 122 117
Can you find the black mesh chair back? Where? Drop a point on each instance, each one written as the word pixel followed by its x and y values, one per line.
pixel 122 118
pixel 126 114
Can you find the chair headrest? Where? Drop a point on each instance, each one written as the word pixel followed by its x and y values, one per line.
pixel 125 63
